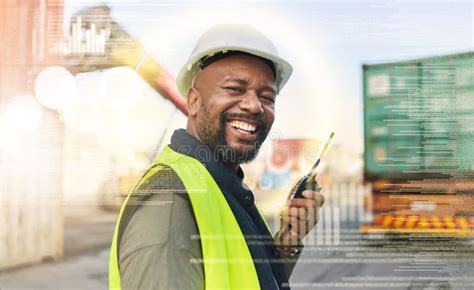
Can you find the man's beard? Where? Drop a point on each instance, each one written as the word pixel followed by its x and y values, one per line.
pixel 216 140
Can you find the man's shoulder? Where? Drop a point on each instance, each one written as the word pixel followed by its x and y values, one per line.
pixel 165 180
pixel 156 188
pixel 158 212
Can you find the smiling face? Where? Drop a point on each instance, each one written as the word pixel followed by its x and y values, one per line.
pixel 231 107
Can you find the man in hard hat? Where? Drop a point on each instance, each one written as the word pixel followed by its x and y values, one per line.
pixel 191 222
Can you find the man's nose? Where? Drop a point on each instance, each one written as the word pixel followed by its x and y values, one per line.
pixel 251 103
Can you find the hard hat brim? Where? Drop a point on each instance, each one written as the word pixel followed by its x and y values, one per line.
pixel 190 69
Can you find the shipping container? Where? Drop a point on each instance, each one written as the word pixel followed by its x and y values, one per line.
pixel 418 118
pixel 31 148
pixel 419 145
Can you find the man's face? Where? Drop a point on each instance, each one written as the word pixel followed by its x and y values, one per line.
pixel 232 107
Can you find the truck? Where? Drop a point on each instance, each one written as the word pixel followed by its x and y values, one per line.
pixel 419 145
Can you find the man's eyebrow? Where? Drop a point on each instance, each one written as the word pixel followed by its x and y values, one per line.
pixel 244 81
pixel 239 80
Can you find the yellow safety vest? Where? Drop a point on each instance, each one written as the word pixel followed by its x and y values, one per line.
pixel 226 257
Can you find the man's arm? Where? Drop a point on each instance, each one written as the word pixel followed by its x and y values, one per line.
pixel 157 248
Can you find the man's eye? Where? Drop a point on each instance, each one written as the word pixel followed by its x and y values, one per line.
pixel 234 89
pixel 268 98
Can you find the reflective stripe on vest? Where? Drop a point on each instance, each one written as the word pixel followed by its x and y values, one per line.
pixel 227 260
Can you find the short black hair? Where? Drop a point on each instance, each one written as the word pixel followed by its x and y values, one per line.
pixel 207 60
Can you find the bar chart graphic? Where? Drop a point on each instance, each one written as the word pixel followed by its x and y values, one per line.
pixel 89 40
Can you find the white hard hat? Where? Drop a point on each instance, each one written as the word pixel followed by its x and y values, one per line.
pixel 232 37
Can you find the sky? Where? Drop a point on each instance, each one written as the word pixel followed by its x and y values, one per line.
pixel 326 42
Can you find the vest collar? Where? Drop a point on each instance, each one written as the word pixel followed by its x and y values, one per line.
pixel 229 181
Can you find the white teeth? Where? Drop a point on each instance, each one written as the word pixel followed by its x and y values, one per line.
pixel 243 126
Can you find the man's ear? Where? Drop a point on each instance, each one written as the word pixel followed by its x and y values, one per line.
pixel 194 101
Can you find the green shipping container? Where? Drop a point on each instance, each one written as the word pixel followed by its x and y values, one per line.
pixel 419 118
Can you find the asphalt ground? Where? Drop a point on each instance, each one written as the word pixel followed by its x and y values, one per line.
pixel 351 262
pixel 389 263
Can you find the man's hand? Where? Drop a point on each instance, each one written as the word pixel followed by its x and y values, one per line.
pixel 302 215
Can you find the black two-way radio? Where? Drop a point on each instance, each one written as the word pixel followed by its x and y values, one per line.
pixel 307 182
